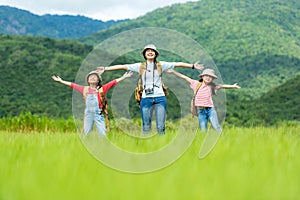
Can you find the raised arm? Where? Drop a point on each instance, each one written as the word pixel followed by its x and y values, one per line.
pixel 184 77
pixel 102 69
pixel 58 79
pixel 234 86
pixel 187 65
pixel 126 75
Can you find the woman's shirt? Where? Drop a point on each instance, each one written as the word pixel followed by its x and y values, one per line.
pixel 151 79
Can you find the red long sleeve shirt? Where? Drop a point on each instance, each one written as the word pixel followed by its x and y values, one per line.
pixel 106 87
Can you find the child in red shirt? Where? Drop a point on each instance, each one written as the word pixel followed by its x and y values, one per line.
pixel 93 101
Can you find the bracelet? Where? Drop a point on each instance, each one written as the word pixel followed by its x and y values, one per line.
pixel 193 67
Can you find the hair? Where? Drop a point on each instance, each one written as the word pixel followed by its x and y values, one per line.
pixel 99 85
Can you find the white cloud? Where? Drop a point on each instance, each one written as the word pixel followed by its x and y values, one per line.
pixel 97 9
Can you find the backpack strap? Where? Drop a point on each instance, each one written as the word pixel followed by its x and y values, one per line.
pixel 159 68
pixel 197 88
pixel 143 67
pixel 193 108
pixel 104 108
pixel 85 91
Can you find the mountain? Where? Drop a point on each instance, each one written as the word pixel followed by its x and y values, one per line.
pixel 21 22
pixel 255 43
pixel 281 103
pixel 26 66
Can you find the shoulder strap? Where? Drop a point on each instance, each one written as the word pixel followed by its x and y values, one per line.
pixel 142 68
pixel 85 91
pixel 197 88
pixel 159 68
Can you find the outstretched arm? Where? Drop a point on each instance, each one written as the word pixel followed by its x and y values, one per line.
pixel 126 75
pixel 184 77
pixel 187 65
pixel 102 69
pixel 234 86
pixel 58 79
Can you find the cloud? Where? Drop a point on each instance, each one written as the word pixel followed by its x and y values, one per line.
pixel 97 9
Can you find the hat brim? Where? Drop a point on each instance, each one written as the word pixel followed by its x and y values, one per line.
pixel 211 75
pixel 156 52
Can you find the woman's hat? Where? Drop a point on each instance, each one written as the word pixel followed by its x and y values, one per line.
pixel 208 72
pixel 150 46
pixel 93 72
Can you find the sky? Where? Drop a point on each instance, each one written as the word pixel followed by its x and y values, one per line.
pixel 96 9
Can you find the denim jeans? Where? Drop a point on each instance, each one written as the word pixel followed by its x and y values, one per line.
pixel 159 105
pixel 93 115
pixel 208 114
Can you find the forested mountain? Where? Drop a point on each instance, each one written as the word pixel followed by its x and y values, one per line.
pixel 255 43
pixel 279 104
pixel 20 22
pixel 26 66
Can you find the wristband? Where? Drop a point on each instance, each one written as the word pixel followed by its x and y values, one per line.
pixel 193 67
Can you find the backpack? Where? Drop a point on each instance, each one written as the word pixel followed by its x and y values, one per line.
pixel 139 89
pixel 104 104
pixel 193 107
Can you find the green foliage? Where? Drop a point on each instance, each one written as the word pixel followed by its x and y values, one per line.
pixel 26 67
pixel 30 123
pixel 279 104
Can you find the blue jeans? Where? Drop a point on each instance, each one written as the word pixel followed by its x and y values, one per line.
pixel 93 115
pixel 208 114
pixel 159 105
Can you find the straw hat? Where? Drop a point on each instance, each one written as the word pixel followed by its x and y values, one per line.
pixel 208 72
pixel 93 72
pixel 150 46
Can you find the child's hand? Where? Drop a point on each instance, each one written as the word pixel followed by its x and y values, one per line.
pixel 236 86
pixel 56 78
pixel 128 74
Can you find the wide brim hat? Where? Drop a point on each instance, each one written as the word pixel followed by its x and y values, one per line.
pixel 208 72
pixel 93 72
pixel 150 46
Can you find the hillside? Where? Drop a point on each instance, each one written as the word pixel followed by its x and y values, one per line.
pixel 256 43
pixel 20 22
pixel 26 66
pixel 281 103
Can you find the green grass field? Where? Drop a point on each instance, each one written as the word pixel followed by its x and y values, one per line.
pixel 246 163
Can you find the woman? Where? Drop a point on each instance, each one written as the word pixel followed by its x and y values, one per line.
pixel 153 96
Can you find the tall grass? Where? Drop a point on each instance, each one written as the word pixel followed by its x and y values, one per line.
pixel 247 163
pixel 27 123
